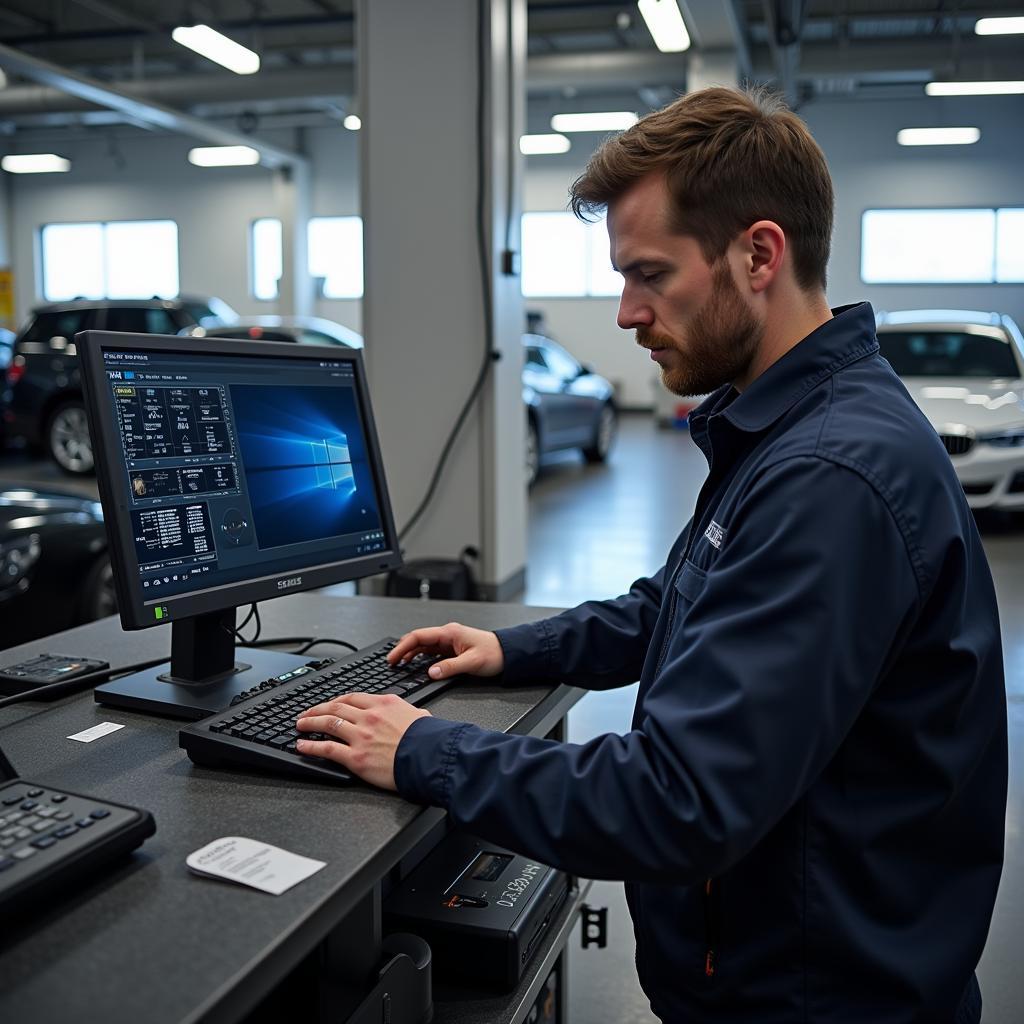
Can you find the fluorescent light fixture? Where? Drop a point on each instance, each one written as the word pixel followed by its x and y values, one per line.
pixel 607 121
pixel 973 88
pixel 35 163
pixel 209 43
pixel 666 25
pixel 998 26
pixel 533 145
pixel 223 156
pixel 352 123
pixel 937 136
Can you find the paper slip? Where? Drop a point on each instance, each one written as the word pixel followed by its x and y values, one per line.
pixel 103 729
pixel 250 862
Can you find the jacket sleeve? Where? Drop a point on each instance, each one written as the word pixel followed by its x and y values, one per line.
pixel 769 663
pixel 597 645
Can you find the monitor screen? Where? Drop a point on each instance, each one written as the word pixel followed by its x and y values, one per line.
pixel 231 472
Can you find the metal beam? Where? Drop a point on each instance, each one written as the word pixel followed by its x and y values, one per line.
pixel 147 112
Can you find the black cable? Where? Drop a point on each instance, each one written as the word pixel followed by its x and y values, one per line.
pixel 485 277
pixel 323 640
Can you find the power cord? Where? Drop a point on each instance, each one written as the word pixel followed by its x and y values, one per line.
pixel 490 355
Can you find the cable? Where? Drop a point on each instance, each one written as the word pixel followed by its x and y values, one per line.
pixel 485 278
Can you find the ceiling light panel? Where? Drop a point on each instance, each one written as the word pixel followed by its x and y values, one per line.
pixel 212 45
pixel 605 121
pixel 974 88
pixel 35 163
pixel 535 145
pixel 665 23
pixel 937 136
pixel 223 156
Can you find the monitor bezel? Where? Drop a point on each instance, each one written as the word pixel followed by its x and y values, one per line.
pixel 139 613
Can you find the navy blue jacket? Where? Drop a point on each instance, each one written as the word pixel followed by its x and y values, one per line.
pixel 808 810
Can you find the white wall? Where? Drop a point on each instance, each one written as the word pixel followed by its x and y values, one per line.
pixel 213 208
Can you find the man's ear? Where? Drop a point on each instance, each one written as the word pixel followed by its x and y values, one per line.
pixel 764 249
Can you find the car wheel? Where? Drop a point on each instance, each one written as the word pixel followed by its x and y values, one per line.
pixel 99 598
pixel 604 435
pixel 532 454
pixel 68 441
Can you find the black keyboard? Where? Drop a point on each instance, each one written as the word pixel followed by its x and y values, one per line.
pixel 259 732
pixel 50 837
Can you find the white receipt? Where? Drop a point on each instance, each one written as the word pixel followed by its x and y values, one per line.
pixel 88 735
pixel 250 862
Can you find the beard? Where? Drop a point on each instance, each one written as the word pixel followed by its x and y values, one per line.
pixel 720 342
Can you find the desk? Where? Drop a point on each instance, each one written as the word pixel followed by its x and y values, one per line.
pixel 149 942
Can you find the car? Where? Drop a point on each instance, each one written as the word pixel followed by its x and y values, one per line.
pixel 54 566
pixel 568 405
pixel 42 393
pixel 304 330
pixel 6 355
pixel 965 370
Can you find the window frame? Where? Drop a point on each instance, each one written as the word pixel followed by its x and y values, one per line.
pixel 103 224
pixel 994 276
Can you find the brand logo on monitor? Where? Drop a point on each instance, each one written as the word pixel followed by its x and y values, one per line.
pixel 292 581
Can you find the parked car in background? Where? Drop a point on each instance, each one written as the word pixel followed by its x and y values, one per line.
pixel 54 568
pixel 965 370
pixel 568 405
pixel 6 355
pixel 304 330
pixel 42 391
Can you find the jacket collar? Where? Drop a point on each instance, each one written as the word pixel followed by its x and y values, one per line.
pixel 847 337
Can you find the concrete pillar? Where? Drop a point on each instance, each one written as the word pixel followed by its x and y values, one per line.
pixel 427 282
pixel 293 200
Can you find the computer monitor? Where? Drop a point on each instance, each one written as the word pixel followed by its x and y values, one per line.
pixel 229 472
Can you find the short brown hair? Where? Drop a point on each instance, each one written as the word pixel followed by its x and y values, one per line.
pixel 731 157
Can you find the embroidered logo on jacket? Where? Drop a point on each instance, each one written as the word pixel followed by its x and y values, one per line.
pixel 715 534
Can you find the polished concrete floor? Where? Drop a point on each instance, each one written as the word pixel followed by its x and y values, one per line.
pixel 593 530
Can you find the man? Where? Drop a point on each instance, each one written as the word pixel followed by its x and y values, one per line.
pixel 808 809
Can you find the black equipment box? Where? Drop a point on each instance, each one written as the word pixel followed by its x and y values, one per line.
pixel 483 909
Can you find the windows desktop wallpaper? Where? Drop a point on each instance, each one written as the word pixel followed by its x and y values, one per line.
pixel 305 463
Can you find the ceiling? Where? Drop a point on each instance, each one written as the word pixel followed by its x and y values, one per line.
pixel 587 51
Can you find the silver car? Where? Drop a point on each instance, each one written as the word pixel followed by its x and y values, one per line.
pixel 966 371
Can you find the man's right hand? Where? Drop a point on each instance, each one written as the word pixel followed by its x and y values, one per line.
pixel 464 650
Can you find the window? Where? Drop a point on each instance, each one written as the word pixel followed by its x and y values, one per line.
pixel 970 246
pixel 118 260
pixel 266 257
pixel 336 255
pixel 562 256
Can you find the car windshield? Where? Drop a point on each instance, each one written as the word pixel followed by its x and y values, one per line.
pixel 917 353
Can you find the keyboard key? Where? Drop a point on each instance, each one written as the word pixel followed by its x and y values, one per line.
pixel 99 813
pixel 29 805
pixel 6 862
pixel 67 830
pixel 42 826
pixel 46 812
pixel 24 833
pixel 29 820
pixel 85 822
pixel 43 842
pixel 5 843
pixel 24 853
pixel 9 800
pixel 63 815
pixel 58 798
pixel 35 792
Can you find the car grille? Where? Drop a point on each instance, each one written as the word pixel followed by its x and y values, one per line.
pixel 957 444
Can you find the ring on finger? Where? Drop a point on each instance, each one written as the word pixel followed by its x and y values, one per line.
pixel 338 722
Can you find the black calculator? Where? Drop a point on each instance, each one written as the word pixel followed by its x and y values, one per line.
pixel 52 838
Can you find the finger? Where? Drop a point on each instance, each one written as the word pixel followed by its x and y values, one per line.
pixel 466 663
pixel 325 708
pixel 329 725
pixel 416 642
pixel 354 704
pixel 327 749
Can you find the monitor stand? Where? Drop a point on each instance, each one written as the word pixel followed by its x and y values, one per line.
pixel 202 676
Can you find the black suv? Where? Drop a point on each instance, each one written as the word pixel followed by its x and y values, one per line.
pixel 42 397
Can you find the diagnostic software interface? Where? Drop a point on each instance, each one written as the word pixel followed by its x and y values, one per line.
pixel 237 467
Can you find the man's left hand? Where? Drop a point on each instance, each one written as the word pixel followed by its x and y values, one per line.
pixel 369 727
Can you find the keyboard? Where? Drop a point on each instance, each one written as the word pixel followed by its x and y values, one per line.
pixel 259 731
pixel 50 838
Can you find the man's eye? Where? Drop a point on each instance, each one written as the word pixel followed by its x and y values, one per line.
pixel 652 278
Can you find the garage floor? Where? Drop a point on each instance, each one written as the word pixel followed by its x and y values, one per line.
pixel 593 530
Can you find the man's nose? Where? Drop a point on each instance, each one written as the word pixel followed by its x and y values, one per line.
pixel 633 313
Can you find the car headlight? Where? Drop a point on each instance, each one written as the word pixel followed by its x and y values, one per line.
pixel 1011 438
pixel 17 557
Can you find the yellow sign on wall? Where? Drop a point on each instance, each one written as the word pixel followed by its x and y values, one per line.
pixel 6 298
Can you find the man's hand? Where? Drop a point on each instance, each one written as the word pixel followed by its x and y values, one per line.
pixel 477 652
pixel 369 726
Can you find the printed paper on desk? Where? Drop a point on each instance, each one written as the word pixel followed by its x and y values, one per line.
pixel 250 862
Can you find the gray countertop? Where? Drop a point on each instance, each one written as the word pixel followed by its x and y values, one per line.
pixel 151 941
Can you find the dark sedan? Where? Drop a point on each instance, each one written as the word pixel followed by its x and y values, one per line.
pixel 568 405
pixel 54 569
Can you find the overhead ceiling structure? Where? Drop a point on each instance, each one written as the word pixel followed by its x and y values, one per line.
pixel 583 54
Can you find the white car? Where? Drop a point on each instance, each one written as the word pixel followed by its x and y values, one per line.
pixel 966 372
